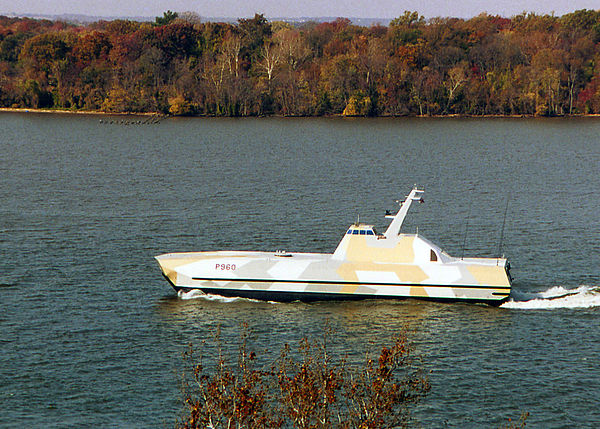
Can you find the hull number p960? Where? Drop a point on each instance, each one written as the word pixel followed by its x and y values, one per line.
pixel 225 267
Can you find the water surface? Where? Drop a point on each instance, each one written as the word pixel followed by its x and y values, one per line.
pixel 91 334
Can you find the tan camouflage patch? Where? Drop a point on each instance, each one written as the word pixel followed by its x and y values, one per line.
pixel 405 273
pixel 489 275
pixel 359 250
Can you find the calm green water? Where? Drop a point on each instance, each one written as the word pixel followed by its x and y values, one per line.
pixel 90 333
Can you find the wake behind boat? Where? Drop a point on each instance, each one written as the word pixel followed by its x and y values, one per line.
pixel 365 264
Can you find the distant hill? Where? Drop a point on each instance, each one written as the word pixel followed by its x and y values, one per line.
pixel 76 18
pixel 85 19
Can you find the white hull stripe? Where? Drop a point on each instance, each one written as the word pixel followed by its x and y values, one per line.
pixel 329 282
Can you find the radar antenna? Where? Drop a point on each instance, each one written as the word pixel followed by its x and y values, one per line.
pixel 394 228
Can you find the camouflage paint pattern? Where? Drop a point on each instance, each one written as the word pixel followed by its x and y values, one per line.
pixel 365 264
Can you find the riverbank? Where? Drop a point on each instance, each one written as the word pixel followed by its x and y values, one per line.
pixel 76 112
pixel 453 115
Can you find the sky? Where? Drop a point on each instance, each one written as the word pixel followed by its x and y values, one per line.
pixel 293 9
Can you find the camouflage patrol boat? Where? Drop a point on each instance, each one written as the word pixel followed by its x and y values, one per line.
pixel 365 264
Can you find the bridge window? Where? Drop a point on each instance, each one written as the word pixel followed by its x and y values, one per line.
pixel 360 232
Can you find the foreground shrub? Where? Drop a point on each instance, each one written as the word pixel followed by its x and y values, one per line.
pixel 303 388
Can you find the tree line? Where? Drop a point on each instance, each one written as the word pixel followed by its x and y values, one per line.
pixel 488 65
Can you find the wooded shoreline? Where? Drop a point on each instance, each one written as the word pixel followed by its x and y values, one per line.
pixel 454 115
pixel 486 66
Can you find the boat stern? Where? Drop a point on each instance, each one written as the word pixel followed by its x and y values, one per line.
pixel 492 273
pixel 507 271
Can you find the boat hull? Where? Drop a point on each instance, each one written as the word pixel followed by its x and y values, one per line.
pixel 289 296
pixel 311 291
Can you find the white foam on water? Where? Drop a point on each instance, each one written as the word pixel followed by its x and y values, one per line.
pixel 555 297
pixel 198 294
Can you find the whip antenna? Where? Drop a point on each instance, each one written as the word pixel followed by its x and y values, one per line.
pixel 501 241
pixel 502 230
pixel 462 256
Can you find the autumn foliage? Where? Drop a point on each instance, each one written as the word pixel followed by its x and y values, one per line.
pixel 303 388
pixel 488 65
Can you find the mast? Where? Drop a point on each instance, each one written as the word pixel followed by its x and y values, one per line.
pixel 394 228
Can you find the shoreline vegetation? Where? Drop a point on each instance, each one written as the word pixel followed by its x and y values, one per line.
pixel 488 66
pixel 163 116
